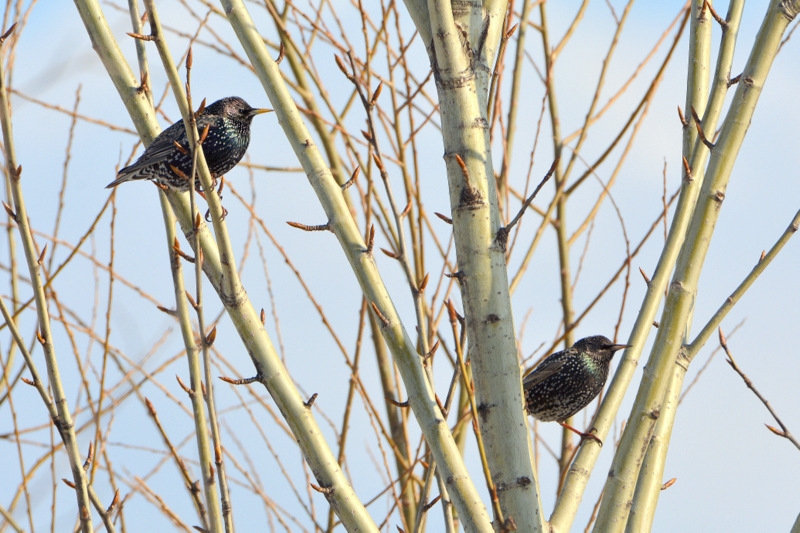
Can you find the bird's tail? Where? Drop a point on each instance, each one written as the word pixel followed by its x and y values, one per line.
pixel 122 176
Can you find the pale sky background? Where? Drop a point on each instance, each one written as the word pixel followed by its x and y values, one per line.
pixel 732 474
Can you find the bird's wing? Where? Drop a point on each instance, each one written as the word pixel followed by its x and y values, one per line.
pixel 546 368
pixel 159 150
pixel 163 146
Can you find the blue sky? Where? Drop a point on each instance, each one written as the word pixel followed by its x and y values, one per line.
pixel 732 474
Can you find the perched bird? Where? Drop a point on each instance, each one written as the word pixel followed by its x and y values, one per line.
pixel 228 122
pixel 566 381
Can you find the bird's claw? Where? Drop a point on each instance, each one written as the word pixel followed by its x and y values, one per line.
pixel 224 214
pixel 591 436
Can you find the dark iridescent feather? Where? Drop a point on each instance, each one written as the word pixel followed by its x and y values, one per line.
pixel 566 381
pixel 228 137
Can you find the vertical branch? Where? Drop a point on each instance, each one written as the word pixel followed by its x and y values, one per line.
pixel 421 397
pixel 63 421
pixel 648 490
pixel 565 278
pixel 679 305
pixel 462 87
pixel 270 371
pixel 197 389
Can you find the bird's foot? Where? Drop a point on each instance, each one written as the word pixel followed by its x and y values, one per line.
pixel 224 214
pixel 584 436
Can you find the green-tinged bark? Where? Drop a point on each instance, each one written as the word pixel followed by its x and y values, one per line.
pixel 650 479
pixel 614 509
pixel 223 276
pixel 421 398
pixel 60 415
pixel 648 487
pixel 462 52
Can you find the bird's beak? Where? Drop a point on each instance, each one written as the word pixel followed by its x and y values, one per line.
pixel 615 347
pixel 254 112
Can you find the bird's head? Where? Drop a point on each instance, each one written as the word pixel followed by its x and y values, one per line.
pixel 234 108
pixel 599 346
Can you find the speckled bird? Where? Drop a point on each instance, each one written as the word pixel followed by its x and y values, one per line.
pixel 228 122
pixel 566 381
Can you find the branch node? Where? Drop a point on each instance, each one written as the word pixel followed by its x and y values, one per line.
pixel 432 351
pixel 170 312
pixel 427 507
pixel 321 227
pixel 700 131
pixel 281 53
pixel 394 402
pixel 186 389
pixel 352 179
pixel 687 171
pixel 310 401
pixel 444 217
pixel 381 317
pixel 370 240
pixel 142 37
pixel 502 234
pixel 243 381
pixel 722 23
pixel 390 254
pixel 10 212
pixel 684 123
pixel 7 33
pixel 322 490
pixel 424 283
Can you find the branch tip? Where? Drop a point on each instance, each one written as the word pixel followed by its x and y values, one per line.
pixel 211 337
pixel 186 389
pixel 321 227
pixel 310 401
pixel 687 170
pixel 281 53
pixel 424 283
pixel 444 217
pixel 8 32
pixel 142 37
pixel 682 118
pixel 323 490
pixel 170 312
pixel 244 381
pixel 390 254
pixel 41 255
pixel 723 23
pixel 376 94
pixel 114 502
pixel 646 279
pixel 370 239
pixel 394 402
pixel 352 179
pixel 10 212
pixel 428 506
pixel 383 319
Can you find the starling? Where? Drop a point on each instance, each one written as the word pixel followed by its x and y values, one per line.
pixel 228 122
pixel 565 382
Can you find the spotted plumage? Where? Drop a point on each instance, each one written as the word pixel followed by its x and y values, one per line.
pixel 566 381
pixel 228 122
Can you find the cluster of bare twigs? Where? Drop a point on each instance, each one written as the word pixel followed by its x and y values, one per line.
pixel 333 444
